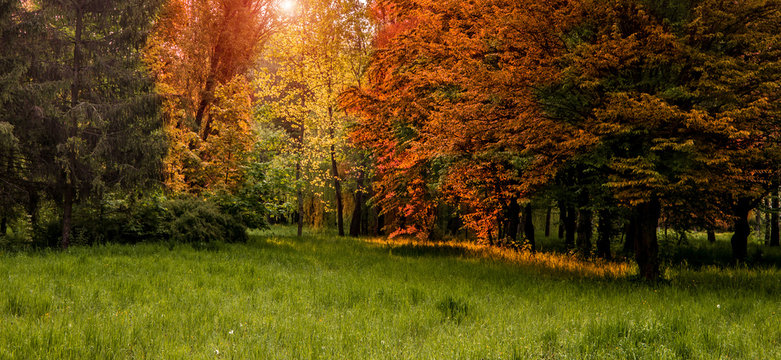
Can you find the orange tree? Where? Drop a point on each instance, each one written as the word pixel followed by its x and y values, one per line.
pixel 480 104
pixel 450 109
pixel 198 51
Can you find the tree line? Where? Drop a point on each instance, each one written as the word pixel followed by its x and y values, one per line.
pixel 159 119
pixel 628 111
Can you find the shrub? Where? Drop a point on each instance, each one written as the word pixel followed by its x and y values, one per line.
pixel 130 220
pixel 200 222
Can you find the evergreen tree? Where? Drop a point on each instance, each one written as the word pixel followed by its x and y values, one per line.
pixel 84 110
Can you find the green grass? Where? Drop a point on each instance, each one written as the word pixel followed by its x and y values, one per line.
pixel 322 297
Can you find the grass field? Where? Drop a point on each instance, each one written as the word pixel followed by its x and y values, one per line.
pixel 322 297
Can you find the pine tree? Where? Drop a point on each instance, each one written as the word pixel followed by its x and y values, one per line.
pixel 84 113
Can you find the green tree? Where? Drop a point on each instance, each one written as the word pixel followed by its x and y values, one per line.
pixel 320 52
pixel 84 111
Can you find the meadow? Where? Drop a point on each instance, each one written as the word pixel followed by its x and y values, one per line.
pixel 325 297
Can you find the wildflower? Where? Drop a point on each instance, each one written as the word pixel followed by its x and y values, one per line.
pixel 217 351
pixel 718 306
pixel 230 332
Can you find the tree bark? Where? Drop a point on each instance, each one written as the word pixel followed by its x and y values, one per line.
pixel 513 219
pixel 67 211
pixel 585 231
pixel 562 215
pixel 547 222
pixel 570 226
pixel 768 205
pixel 741 229
pixel 774 205
pixel 67 204
pixel 299 188
pixel 646 217
pixel 711 236
pixel 379 226
pixel 528 226
pixel 32 206
pixel 356 220
pixel 338 190
pixel 207 96
pixel 630 230
pixel 605 232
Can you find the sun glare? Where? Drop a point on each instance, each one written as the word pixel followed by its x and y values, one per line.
pixel 287 6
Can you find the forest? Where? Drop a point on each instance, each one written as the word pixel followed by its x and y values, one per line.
pixel 633 137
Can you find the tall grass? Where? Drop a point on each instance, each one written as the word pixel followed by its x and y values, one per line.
pixel 323 297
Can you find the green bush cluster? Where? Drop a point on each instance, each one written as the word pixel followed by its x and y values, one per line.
pixel 200 221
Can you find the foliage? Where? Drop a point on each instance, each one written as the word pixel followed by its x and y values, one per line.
pixel 198 53
pixel 322 49
pixel 226 151
pixel 81 106
pixel 652 105
pixel 199 222
pixel 135 218
pixel 452 85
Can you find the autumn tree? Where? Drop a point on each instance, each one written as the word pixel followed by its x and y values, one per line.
pixel 198 48
pixel 313 59
pixel 450 109
pixel 738 46
pixel 650 88
pixel 483 110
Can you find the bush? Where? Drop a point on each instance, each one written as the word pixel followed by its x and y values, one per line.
pixel 130 220
pixel 200 222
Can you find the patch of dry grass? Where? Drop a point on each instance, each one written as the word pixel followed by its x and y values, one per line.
pixel 564 264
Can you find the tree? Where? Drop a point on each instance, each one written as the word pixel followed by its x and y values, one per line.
pixel 196 48
pixel 657 97
pixel 450 109
pixel 314 58
pixel 83 112
pixel 226 151
pixel 737 45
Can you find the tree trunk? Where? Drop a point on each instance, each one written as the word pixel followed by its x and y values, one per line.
pixel 562 215
pixel 768 205
pixel 356 220
pixel 454 225
pixel 547 222
pixel 32 206
pixel 299 187
pixel 605 232
pixel 207 94
pixel 646 217
pixel 3 225
pixel 585 230
pixel 513 219
pixel 67 204
pixel 630 230
pixel 570 226
pixel 774 205
pixel 380 224
pixel 67 210
pixel 528 226
pixel 335 173
pixel 711 236
pixel 338 189
pixel 742 229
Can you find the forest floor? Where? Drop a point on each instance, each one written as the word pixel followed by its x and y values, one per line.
pixel 324 297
